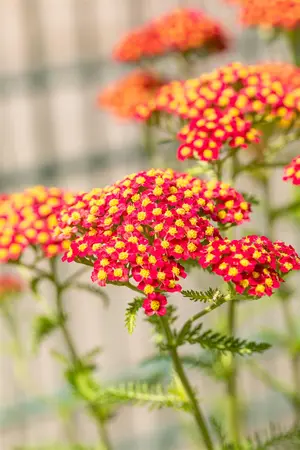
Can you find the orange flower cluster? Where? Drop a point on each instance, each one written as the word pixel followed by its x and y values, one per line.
pixel 142 227
pixel 254 264
pixel 125 96
pixel 9 285
pixel 224 107
pixel 29 219
pixel 181 30
pixel 292 171
pixel 283 14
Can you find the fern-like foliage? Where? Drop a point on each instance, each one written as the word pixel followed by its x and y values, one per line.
pixel 212 340
pixel 131 313
pixel 209 296
pixel 276 439
pixel 142 394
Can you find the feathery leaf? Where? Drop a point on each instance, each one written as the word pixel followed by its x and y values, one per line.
pixel 131 313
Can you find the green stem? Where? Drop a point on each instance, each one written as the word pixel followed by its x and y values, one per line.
pixel 234 422
pixel 293 38
pixel 149 143
pixel 197 413
pixel 75 359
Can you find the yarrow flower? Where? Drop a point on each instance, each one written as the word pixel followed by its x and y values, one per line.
pixel 123 98
pixel 141 228
pixel 28 219
pixel 10 285
pixel 254 264
pixel 224 107
pixel 292 171
pixel 182 30
pixel 282 14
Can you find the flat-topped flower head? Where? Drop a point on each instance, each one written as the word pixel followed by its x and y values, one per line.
pixel 141 228
pixel 28 219
pixel 126 95
pixel 292 171
pixel 10 285
pixel 227 107
pixel 254 264
pixel 282 14
pixel 182 30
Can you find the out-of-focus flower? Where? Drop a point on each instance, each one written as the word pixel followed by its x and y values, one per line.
pixel 288 74
pixel 292 171
pixel 227 106
pixel 125 96
pixel 28 219
pixel 254 264
pixel 282 14
pixel 10 285
pixel 141 228
pixel 182 30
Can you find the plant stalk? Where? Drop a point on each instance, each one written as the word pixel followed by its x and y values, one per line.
pixel 293 37
pixel 197 413
pixel 75 358
pixel 149 144
pixel 234 421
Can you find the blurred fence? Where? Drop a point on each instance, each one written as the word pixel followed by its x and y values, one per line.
pixel 54 58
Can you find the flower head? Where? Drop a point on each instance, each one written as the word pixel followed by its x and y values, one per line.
pixel 29 219
pixel 292 171
pixel 282 14
pixel 226 107
pixel 254 264
pixel 144 226
pixel 10 285
pixel 155 304
pixel 181 30
pixel 136 89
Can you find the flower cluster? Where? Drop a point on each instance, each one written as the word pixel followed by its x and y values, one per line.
pixel 283 14
pixel 9 285
pixel 254 264
pixel 292 171
pixel 288 74
pixel 224 107
pixel 124 97
pixel 142 227
pixel 29 219
pixel 181 30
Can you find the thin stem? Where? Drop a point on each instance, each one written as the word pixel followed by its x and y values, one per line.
pixel 206 310
pixel 234 422
pixel 293 37
pixel 197 413
pixel 75 359
pixel 149 143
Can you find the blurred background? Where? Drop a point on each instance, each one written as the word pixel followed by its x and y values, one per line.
pixel 55 56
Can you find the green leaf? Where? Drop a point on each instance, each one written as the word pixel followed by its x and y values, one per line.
pixel 216 341
pixel 131 313
pixel 43 326
pixel 144 395
pixel 166 141
pixel 211 295
pixel 275 439
pixel 94 290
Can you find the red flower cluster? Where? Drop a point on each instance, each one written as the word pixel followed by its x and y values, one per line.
pixel 292 171
pixel 9 285
pixel 140 228
pixel 29 218
pixel 124 97
pixel 254 264
pixel 284 14
pixel 288 74
pixel 181 30
pixel 223 107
